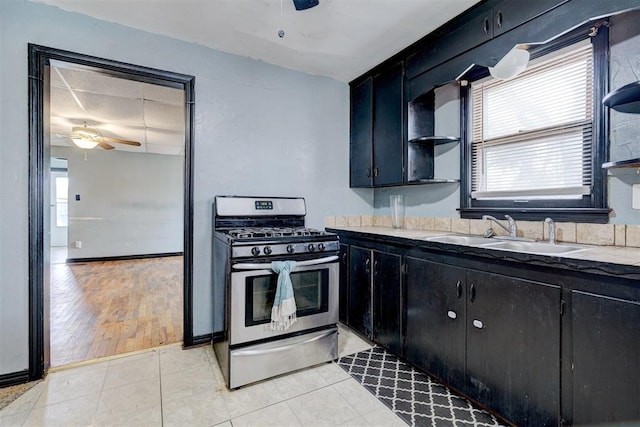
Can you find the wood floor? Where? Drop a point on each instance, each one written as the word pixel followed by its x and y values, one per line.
pixel 100 309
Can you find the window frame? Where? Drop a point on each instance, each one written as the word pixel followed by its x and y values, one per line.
pixel 590 208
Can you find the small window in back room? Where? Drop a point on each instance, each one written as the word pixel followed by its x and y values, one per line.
pixel 531 139
pixel 62 201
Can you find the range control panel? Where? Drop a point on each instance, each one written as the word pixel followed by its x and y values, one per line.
pixel 273 248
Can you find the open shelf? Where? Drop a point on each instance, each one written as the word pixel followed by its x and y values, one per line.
pixel 625 99
pixel 435 140
pixel 631 163
pixel 433 181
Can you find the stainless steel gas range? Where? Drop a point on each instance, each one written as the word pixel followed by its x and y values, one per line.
pixel 249 234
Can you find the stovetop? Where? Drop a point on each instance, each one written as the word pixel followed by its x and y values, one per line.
pixel 272 232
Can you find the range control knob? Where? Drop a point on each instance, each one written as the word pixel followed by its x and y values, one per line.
pixel 267 250
pixel 291 249
pixel 255 251
pixel 321 247
pixel 311 247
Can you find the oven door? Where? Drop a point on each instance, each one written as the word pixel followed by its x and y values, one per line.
pixel 253 288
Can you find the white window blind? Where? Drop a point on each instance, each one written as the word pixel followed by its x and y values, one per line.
pixel 531 136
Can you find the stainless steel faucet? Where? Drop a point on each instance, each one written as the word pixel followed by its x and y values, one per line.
pixel 512 229
pixel 552 230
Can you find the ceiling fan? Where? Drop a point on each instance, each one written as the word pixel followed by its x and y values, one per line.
pixel 88 138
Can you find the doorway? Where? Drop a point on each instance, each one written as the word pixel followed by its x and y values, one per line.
pixel 42 233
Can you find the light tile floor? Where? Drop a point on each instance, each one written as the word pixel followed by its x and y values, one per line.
pixel 168 386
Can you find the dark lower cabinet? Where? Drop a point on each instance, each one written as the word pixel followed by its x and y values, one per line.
pixel 343 289
pixel 513 347
pixel 387 291
pixel 360 290
pixel 374 295
pixel 435 323
pixel 606 359
pixel 500 339
pixel 493 337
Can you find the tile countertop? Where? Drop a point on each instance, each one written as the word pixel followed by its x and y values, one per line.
pixel 609 260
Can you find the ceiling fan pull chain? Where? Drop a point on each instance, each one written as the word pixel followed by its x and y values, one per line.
pixel 281 32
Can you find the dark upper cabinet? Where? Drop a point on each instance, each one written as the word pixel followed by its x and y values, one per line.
pixel 388 125
pixel 343 288
pixel 387 291
pixel 509 14
pixel 606 359
pixel 481 25
pixel 361 137
pixel 435 324
pixel 477 30
pixel 513 347
pixel 359 301
pixel 377 123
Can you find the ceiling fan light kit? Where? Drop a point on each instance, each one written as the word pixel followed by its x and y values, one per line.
pixel 88 138
pixel 85 137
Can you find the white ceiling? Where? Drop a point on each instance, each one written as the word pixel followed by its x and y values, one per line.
pixel 149 114
pixel 340 39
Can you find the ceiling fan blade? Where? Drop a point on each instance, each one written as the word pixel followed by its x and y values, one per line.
pixel 121 141
pixel 305 4
pixel 106 146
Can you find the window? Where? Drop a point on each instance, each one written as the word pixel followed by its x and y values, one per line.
pixel 62 201
pixel 534 145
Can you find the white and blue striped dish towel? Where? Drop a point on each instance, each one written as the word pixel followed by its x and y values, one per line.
pixel 283 313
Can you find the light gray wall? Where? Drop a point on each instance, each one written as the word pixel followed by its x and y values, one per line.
pixel 625 128
pixel 130 203
pixel 259 130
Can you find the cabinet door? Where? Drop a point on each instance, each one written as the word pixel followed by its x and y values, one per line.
pixel 344 284
pixel 513 347
pixel 361 145
pixel 477 30
pixel 388 126
pixel 606 359
pixel 360 290
pixel 387 294
pixel 508 15
pixel 435 332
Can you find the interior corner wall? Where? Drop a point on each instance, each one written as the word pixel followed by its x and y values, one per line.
pixel 129 203
pixel 259 130
pixel 624 127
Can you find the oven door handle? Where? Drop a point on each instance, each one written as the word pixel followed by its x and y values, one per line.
pixel 267 265
pixel 258 352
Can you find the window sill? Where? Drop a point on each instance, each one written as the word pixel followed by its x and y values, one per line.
pixel 590 215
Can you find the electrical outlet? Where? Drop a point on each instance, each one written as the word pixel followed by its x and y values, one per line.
pixel 635 196
pixel 78 244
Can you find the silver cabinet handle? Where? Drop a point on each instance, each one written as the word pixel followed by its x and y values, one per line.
pixel 452 314
pixel 478 324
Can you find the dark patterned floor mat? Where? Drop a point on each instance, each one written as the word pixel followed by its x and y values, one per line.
pixel 412 395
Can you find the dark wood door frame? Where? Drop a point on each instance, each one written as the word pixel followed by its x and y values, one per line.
pixel 39 59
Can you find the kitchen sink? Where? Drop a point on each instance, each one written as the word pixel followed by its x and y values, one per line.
pixel 461 240
pixel 534 247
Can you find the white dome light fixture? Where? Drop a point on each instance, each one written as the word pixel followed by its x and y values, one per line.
pixel 85 137
pixel 512 64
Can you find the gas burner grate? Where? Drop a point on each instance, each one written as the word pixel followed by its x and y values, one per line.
pixel 260 232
